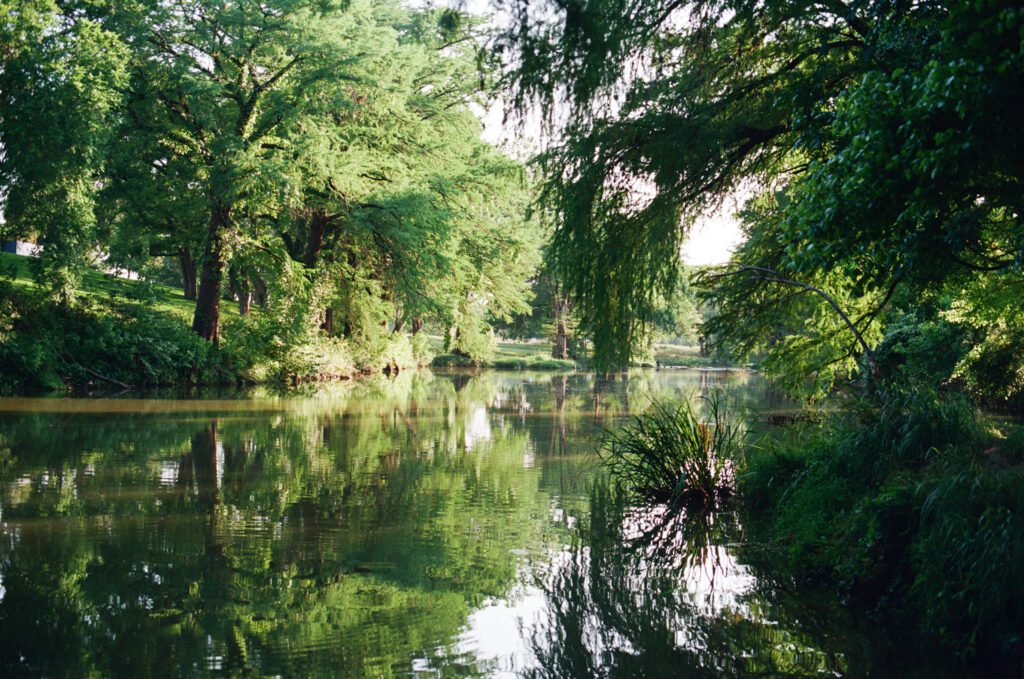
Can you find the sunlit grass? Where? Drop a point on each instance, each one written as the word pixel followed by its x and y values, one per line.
pixel 98 286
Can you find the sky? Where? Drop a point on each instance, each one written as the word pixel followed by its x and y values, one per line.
pixel 713 239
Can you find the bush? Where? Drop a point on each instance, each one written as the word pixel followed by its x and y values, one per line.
pixel 921 351
pixel 45 345
pixel 672 454
pixel 282 345
pixel 452 361
pixel 903 503
pixel 473 341
pixel 968 555
pixel 993 371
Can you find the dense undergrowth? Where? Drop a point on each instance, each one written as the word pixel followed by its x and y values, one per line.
pixel 119 342
pixel 908 503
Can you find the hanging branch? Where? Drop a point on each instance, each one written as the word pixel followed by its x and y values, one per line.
pixel 759 273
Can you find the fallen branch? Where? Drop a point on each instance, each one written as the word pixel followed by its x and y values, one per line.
pixel 111 380
pixel 93 373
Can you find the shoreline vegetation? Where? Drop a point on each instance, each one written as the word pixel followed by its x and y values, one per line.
pixel 903 503
pixel 132 334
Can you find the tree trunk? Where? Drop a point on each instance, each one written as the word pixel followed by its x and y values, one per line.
pixel 315 243
pixel 417 324
pixel 240 288
pixel 260 293
pixel 244 297
pixel 206 321
pixel 188 273
pixel 560 347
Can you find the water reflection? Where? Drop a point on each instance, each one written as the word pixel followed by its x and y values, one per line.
pixel 654 592
pixel 450 524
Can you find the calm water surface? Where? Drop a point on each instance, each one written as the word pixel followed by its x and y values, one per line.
pixel 443 524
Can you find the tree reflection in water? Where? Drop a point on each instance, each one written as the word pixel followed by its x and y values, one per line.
pixel 649 591
pixel 372 529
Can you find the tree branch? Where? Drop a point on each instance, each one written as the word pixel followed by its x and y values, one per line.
pixel 768 275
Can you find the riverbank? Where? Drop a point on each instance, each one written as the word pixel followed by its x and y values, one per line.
pixel 536 355
pixel 125 334
pixel 120 334
pixel 507 356
pixel 910 507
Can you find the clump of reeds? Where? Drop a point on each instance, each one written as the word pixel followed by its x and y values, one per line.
pixel 676 454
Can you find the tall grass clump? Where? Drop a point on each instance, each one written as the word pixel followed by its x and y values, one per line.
pixel 676 454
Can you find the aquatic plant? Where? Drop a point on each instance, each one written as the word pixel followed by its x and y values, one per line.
pixel 675 453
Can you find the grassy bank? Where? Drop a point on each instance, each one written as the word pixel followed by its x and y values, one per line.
pixel 506 356
pixel 509 355
pixel 675 356
pixel 119 334
pixel 911 506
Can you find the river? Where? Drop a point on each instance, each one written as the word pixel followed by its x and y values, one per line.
pixel 433 524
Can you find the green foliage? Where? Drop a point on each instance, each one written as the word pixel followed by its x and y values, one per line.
pixel 61 85
pixel 678 317
pixel 676 454
pixel 903 503
pixel 988 310
pixel 471 339
pixel 47 345
pixel 968 557
pixel 876 139
pixel 918 351
pixel 319 157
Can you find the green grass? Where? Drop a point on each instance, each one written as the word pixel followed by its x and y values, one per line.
pixel 523 350
pixel 677 454
pixel 508 355
pixel 675 356
pixel 98 286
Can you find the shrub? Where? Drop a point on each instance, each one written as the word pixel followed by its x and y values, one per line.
pixel 452 361
pixel 45 345
pixel 282 345
pixel 672 454
pixel 473 340
pixel 968 555
pixel 421 351
pixel 905 503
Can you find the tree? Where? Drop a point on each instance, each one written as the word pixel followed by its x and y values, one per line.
pixel 874 135
pixel 61 84
pixel 224 84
